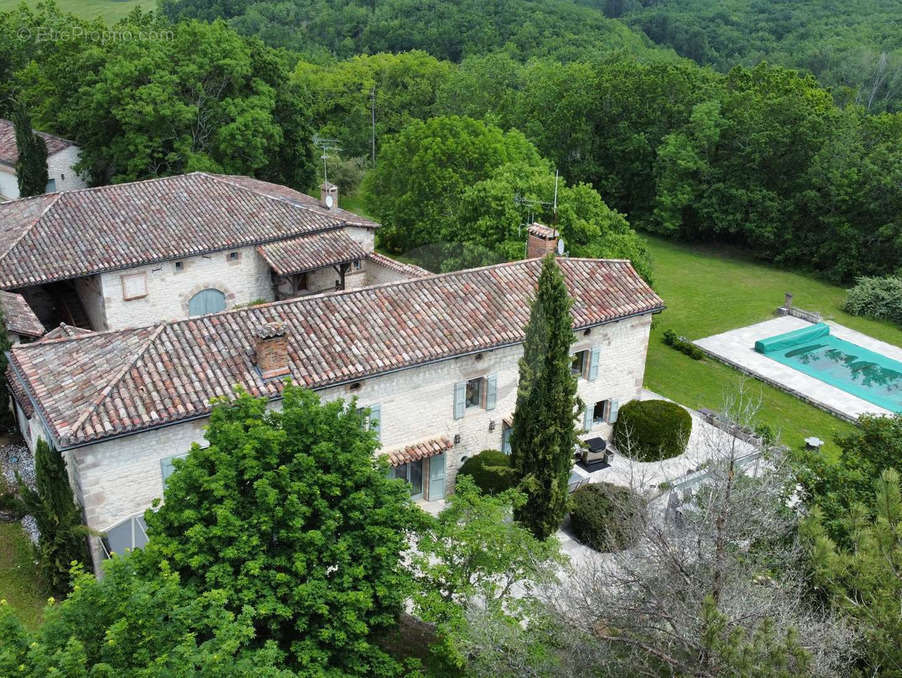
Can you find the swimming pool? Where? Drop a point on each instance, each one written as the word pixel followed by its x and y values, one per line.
pixel 852 368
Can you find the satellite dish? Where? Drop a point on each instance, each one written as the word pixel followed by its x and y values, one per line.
pixel 560 246
pixel 329 201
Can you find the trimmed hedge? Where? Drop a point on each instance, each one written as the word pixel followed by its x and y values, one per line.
pixel 673 340
pixel 605 516
pixel 651 430
pixel 491 471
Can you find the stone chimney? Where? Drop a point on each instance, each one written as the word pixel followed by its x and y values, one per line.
pixel 540 240
pixel 272 350
pixel 328 196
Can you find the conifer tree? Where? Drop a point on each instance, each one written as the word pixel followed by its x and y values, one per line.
pixel 58 517
pixel 6 415
pixel 31 167
pixel 544 433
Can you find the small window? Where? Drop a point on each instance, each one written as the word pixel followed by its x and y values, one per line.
pixel 355 386
pixel 234 256
pixel 578 363
pixel 51 186
pixel 356 264
pixel 600 412
pixel 134 286
pixel 62 177
pixel 302 281
pixel 474 392
pixel 179 266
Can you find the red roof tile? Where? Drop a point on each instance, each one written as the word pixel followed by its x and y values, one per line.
pixel 64 331
pixel 417 451
pixel 409 270
pixel 77 233
pixel 94 386
pixel 18 315
pixel 9 150
pixel 309 252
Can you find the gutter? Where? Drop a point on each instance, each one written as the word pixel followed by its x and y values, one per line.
pixel 276 398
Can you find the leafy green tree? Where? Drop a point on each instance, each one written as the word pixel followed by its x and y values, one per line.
pixel 63 537
pixel 31 167
pixel 863 580
pixel 287 512
pixel 136 624
pixel 422 172
pixel 7 420
pixel 544 433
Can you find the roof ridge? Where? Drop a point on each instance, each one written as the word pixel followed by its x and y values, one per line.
pixel 83 417
pixel 28 229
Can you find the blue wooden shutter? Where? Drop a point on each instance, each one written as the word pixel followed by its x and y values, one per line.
pixel 166 469
pixel 460 399
pixel 587 418
pixel 206 301
pixel 615 408
pixel 376 421
pixel 593 363
pixel 437 477
pixel 491 392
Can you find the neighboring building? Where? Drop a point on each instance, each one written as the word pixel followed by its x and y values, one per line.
pixel 133 254
pixel 435 360
pixel 21 322
pixel 62 155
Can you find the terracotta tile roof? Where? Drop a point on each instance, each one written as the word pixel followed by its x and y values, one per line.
pixel 410 270
pixel 19 316
pixel 309 252
pixel 19 394
pixel 64 331
pixel 76 233
pixel 9 151
pixel 417 451
pixel 542 231
pixel 93 386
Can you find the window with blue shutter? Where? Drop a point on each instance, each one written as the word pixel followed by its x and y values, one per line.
pixel 167 468
pixel 491 391
pixel 587 419
pixel 460 399
pixel 206 301
pixel 615 408
pixel 593 363
pixel 437 477
pixel 376 421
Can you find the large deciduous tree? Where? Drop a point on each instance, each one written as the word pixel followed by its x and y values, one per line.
pixel 63 537
pixel 31 166
pixel 289 513
pixel 544 433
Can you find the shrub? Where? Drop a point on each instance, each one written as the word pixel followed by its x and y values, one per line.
pixel 672 339
pixel 651 430
pixel 879 298
pixel 491 471
pixel 604 516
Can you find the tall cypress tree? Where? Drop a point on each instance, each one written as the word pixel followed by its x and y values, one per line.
pixel 544 428
pixel 31 167
pixel 6 416
pixel 58 518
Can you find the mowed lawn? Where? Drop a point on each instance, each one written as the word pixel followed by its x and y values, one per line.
pixel 712 290
pixel 20 586
pixel 109 10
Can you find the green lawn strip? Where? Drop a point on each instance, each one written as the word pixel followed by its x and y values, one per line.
pixel 20 584
pixel 712 290
pixel 109 10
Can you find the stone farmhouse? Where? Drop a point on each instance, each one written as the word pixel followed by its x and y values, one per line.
pixel 133 254
pixel 433 358
pixel 62 155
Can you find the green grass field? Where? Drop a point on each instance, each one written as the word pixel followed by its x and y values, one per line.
pixel 109 10
pixel 711 290
pixel 19 584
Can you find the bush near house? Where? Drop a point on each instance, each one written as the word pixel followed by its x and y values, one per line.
pixel 604 516
pixel 491 471
pixel 874 297
pixel 651 430
pixel 673 340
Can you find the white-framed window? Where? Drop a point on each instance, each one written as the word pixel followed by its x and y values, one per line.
pixel 134 286
pixel 373 419
pixel 578 362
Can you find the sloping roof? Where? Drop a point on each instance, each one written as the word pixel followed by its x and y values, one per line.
pixel 17 389
pixel 64 331
pixel 18 315
pixel 75 233
pixel 542 231
pixel 410 270
pixel 94 386
pixel 421 450
pixel 9 150
pixel 309 252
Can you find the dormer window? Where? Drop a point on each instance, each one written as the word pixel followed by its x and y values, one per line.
pixel 179 266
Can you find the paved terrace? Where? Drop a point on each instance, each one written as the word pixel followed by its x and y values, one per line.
pixel 737 348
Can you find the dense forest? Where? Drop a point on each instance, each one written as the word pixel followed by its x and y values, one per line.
pixel 761 156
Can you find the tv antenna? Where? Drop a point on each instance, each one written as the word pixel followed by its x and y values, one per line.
pixel 325 145
pixel 533 206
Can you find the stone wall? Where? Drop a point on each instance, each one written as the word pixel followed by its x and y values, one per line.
pixel 59 167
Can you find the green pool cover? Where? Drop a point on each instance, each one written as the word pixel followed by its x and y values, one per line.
pixel 847 366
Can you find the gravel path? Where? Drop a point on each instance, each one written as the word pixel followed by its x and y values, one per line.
pixel 17 458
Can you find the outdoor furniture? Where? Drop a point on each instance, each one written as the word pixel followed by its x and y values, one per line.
pixel 595 456
pixel 814 443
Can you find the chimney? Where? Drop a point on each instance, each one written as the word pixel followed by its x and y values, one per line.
pixel 272 350
pixel 328 195
pixel 540 240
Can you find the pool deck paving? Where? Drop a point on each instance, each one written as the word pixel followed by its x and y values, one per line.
pixel 737 348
